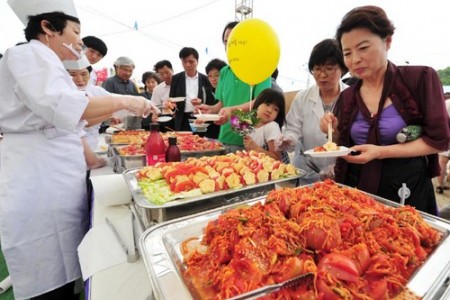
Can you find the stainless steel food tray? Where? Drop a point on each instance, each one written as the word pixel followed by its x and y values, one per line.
pixel 200 153
pixel 108 140
pixel 142 201
pixel 160 246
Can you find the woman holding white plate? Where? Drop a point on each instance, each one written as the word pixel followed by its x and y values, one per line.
pixel 301 129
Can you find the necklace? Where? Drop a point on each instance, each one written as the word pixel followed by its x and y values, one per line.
pixel 329 107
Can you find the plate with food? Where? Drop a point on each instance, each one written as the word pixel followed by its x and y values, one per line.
pixel 164 119
pixel 199 125
pixel 328 150
pixel 208 117
pixel 177 99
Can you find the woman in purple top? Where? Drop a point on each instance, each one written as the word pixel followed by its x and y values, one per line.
pixel 383 101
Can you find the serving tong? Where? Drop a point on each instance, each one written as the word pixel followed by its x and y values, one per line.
pixel 268 289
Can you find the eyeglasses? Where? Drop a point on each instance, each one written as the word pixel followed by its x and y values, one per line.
pixel 327 70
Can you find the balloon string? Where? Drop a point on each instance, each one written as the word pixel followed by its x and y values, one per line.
pixel 251 93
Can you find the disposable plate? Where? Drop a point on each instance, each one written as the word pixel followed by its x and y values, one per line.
pixel 341 152
pixel 207 117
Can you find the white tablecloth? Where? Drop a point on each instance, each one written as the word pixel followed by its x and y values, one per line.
pixel 123 281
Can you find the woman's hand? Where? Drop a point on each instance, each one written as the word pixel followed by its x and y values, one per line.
pixel 326 119
pixel 366 152
pixel 155 118
pixel 115 121
pixel 250 144
pixel 285 143
pixel 207 109
pixel 196 101
pixel 225 114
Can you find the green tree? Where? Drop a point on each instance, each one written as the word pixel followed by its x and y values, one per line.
pixel 444 75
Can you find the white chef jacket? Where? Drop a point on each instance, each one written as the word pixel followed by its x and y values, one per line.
pixel 43 205
pixel 302 124
pixel 92 132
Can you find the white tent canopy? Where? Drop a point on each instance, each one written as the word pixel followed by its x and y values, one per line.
pixel 164 27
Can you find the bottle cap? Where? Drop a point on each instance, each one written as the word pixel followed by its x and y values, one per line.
pixel 154 126
pixel 401 137
pixel 172 140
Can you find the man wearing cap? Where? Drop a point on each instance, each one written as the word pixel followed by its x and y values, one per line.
pixel 121 83
pixel 43 200
pixel 96 50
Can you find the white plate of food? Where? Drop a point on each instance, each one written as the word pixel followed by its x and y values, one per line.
pixel 208 117
pixel 200 125
pixel 177 99
pixel 164 119
pixel 335 153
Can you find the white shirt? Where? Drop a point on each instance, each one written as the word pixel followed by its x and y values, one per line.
pixel 40 118
pixel 160 94
pixel 268 132
pixel 26 96
pixel 92 132
pixel 191 92
pixel 93 77
pixel 302 124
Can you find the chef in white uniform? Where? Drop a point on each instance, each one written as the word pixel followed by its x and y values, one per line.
pixel 80 71
pixel 43 204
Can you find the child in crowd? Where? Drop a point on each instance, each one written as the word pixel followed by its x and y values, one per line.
pixel 270 110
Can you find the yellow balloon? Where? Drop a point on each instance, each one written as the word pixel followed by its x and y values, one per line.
pixel 253 51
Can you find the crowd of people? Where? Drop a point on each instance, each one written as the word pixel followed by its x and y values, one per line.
pixel 52 100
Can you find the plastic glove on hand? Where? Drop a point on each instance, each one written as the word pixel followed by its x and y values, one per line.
pixel 137 105
pixel 152 108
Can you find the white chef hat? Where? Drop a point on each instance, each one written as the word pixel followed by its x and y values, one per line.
pixel 25 8
pixel 80 64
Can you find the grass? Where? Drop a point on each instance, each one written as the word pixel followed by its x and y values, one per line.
pixel 3 274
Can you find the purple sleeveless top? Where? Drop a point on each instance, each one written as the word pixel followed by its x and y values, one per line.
pixel 389 124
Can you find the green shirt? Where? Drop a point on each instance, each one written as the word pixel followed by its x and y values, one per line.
pixel 231 91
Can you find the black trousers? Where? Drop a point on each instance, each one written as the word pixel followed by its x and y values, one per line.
pixel 65 292
pixel 395 171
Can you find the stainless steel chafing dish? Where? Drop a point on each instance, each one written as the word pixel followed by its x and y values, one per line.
pixel 153 213
pixel 122 163
pixel 160 246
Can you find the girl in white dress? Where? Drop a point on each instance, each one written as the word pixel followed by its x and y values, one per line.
pixel 270 110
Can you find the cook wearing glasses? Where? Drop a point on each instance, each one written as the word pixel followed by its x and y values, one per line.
pixel 301 131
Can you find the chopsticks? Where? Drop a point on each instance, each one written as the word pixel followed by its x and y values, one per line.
pixel 330 132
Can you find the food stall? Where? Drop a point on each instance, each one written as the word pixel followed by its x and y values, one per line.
pixel 158 273
pixel 163 248
pixel 131 278
pixel 127 151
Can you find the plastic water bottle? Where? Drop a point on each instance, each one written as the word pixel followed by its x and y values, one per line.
pixel 409 133
pixel 155 148
pixel 173 152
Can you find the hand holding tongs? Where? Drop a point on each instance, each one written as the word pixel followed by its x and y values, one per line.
pixel 265 290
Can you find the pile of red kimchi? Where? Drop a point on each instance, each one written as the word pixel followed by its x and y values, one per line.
pixel 356 247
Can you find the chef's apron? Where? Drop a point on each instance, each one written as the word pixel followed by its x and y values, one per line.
pixel 43 207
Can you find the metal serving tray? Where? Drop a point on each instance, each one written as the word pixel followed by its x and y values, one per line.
pixel 160 246
pixel 200 153
pixel 142 201
pixel 108 139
